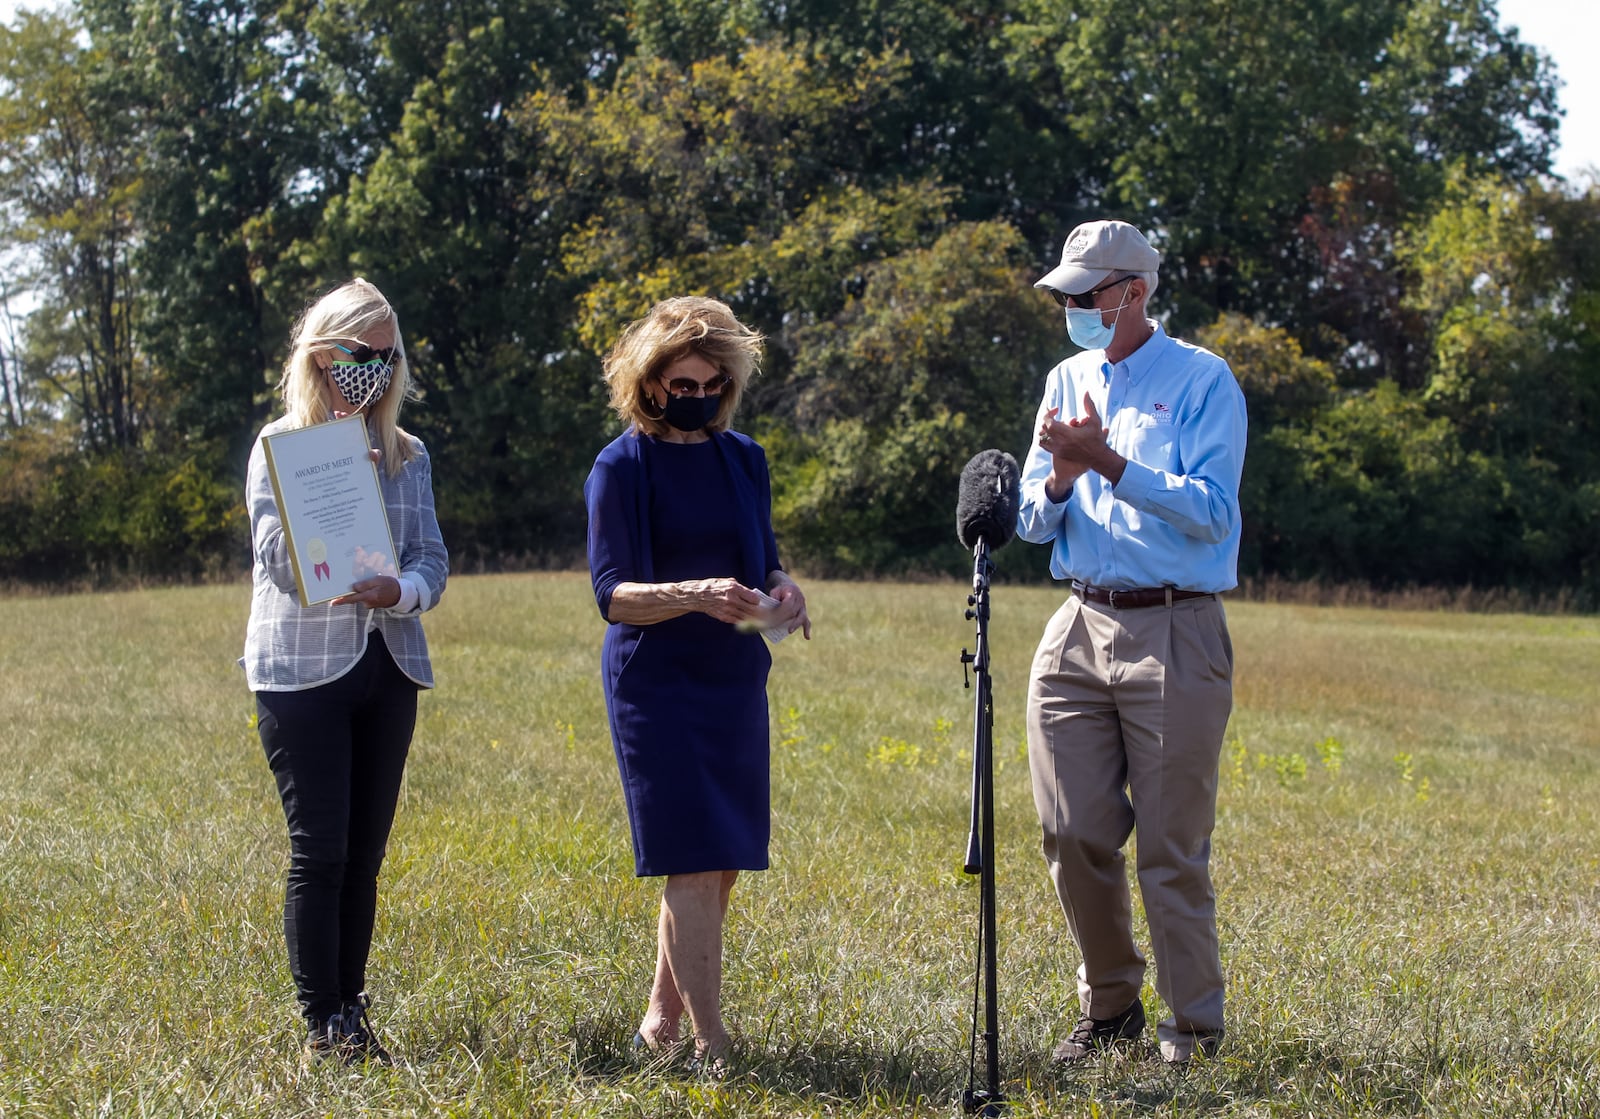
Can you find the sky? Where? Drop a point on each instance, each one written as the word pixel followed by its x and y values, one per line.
pixel 1566 30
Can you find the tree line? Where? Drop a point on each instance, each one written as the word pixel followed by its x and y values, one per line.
pixel 1353 203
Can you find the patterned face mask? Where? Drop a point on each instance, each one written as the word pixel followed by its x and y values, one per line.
pixel 362 383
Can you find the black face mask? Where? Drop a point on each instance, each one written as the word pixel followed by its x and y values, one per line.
pixel 691 413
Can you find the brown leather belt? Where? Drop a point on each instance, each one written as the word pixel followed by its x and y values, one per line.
pixel 1133 598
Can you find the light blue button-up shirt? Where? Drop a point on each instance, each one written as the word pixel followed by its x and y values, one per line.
pixel 1176 413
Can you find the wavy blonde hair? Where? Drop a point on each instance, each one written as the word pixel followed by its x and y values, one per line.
pixel 675 328
pixel 344 315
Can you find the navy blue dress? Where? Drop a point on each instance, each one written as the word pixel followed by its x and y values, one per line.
pixel 686 697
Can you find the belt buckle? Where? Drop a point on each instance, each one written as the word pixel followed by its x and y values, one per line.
pixel 1111 598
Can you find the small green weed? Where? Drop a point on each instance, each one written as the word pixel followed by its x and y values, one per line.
pixel 1290 769
pixel 1331 752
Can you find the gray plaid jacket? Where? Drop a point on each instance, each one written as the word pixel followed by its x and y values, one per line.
pixel 288 647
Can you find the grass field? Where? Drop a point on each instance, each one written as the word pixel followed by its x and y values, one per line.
pixel 1407 863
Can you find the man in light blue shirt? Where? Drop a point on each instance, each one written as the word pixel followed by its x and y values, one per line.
pixel 1133 481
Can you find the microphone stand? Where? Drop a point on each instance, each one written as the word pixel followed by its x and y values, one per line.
pixel 986 1101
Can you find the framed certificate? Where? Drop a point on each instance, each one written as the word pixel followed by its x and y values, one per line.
pixel 334 519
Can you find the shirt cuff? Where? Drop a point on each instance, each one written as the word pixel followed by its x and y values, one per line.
pixel 1039 519
pixel 410 595
pixel 1135 484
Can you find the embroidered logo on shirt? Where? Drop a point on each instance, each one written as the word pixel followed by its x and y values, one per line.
pixel 1162 414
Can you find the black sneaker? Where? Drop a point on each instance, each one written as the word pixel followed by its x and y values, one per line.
pixel 321 1039
pixel 1093 1036
pixel 353 1036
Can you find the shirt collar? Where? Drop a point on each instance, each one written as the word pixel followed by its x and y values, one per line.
pixel 1144 359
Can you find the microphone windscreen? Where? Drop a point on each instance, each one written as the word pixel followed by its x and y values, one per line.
pixel 986 508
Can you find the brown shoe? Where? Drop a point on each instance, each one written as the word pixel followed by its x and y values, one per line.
pixel 1093 1036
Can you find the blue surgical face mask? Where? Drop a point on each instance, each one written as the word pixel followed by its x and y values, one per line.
pixel 1086 327
pixel 691 413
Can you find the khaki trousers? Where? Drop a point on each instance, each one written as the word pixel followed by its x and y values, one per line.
pixel 1126 714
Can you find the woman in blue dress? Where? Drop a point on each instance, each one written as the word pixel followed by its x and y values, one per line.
pixel 685 569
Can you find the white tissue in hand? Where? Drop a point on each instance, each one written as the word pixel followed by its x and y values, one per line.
pixel 776 633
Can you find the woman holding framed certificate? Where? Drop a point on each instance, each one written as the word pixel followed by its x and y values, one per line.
pixel 336 681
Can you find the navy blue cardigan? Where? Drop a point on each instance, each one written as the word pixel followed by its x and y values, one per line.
pixel 617 494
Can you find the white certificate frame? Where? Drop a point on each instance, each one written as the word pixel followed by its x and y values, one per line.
pixel 335 522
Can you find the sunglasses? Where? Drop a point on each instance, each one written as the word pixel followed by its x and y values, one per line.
pixel 688 386
pixel 363 353
pixel 1085 299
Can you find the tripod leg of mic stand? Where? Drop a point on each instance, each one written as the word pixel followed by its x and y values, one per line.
pixel 994 1101
pixel 986 1101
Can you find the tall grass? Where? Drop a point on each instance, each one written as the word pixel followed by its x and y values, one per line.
pixel 1406 865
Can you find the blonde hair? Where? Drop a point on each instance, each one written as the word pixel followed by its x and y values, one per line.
pixel 675 328
pixel 343 315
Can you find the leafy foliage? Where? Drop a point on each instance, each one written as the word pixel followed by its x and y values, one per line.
pixel 218 107
pixel 1218 126
pixel 114 516
pixel 69 181
pixel 1509 281
pixel 939 357
pixel 1347 197
pixel 440 220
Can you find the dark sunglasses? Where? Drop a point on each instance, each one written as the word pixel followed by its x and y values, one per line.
pixel 363 354
pixel 688 386
pixel 1086 299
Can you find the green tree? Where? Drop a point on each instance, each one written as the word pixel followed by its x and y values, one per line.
pixel 1287 394
pixel 70 181
pixel 91 488
pixel 900 342
pixel 1508 280
pixel 442 219
pixel 1261 143
pixel 943 354
pixel 16 393
pixel 677 179
pixel 1379 491
pixel 973 108
pixel 873 183
pixel 1282 386
pixel 229 132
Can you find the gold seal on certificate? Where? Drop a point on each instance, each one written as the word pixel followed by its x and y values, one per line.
pixel 331 506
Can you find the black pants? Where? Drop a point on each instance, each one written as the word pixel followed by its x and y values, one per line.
pixel 338 751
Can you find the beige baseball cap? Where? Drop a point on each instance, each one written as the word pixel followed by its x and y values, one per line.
pixel 1097 250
